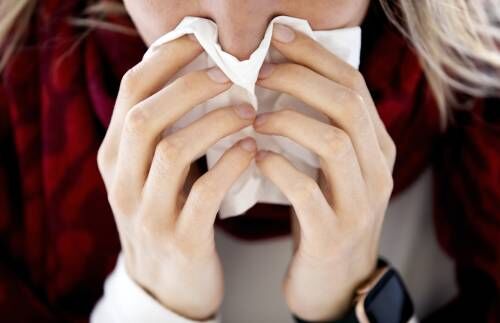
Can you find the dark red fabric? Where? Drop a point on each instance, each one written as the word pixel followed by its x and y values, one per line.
pixel 57 236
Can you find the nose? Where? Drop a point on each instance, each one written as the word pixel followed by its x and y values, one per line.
pixel 241 23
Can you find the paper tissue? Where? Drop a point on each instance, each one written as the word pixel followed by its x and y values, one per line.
pixel 252 187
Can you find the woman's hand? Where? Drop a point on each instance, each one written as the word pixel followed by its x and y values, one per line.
pixel 339 218
pixel 165 226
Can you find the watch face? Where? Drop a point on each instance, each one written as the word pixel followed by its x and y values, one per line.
pixel 389 301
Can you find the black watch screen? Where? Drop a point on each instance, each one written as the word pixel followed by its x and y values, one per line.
pixel 389 301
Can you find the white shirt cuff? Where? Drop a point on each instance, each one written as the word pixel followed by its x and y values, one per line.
pixel 125 301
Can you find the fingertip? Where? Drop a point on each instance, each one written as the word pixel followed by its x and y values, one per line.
pixel 265 71
pixel 245 111
pixel 262 154
pixel 248 144
pixel 192 37
pixel 261 120
pixel 283 33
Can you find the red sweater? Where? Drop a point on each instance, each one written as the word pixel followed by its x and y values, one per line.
pixel 57 235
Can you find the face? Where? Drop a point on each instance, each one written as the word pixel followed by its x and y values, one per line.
pixel 242 23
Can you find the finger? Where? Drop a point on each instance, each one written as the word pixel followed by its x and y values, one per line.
pixel 203 202
pixel 343 106
pixel 303 50
pixel 145 122
pixel 337 156
pixel 314 214
pixel 152 73
pixel 175 153
pixel 159 111
pixel 144 79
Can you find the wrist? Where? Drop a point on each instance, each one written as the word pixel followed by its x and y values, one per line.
pixel 382 298
pixel 307 298
pixel 325 295
pixel 189 310
pixel 179 303
pixel 126 301
pixel 186 312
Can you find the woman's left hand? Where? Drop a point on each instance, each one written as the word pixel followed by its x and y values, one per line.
pixel 339 218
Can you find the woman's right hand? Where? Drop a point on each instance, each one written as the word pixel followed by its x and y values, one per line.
pixel 165 227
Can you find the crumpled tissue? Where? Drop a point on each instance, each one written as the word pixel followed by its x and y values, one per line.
pixel 252 187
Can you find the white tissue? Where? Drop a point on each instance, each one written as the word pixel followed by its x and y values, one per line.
pixel 252 187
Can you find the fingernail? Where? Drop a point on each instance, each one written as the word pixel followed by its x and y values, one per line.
pixel 261 154
pixel 283 33
pixel 245 111
pixel 217 75
pixel 265 70
pixel 248 144
pixel 261 119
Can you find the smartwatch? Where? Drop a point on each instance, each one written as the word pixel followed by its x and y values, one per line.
pixel 382 299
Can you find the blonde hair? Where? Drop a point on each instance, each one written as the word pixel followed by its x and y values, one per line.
pixel 458 41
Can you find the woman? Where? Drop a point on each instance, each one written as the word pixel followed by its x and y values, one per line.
pixel 62 109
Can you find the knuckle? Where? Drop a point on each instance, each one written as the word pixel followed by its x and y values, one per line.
pixel 387 185
pixel 305 191
pixel 136 120
pixel 332 135
pixel 356 80
pixel 195 207
pixel 119 200
pixel 204 189
pixel 380 189
pixel 130 80
pixel 357 113
pixel 168 152
pixel 337 143
pixel 102 159
pixel 390 150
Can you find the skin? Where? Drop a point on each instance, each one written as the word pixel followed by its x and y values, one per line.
pixel 242 23
pixel 165 215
